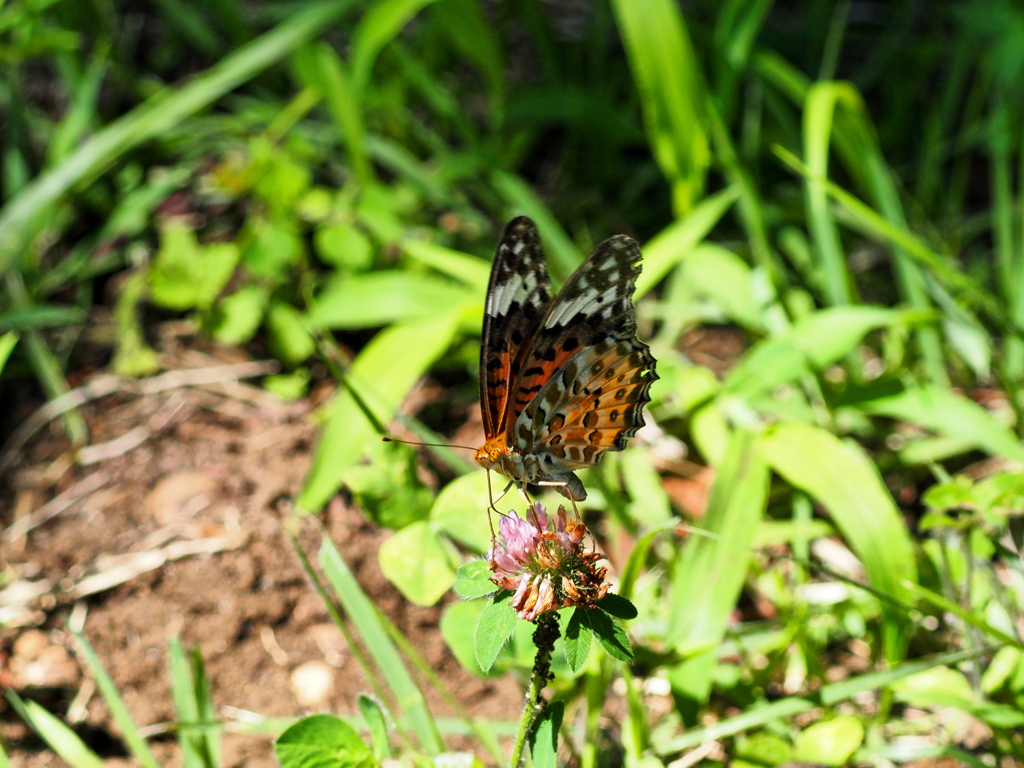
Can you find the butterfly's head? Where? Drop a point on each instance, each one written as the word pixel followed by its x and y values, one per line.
pixel 489 455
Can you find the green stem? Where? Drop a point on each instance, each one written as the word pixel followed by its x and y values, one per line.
pixel 544 638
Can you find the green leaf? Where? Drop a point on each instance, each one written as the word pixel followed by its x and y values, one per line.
pixel 316 204
pixel 460 511
pixel 274 250
pixel 940 410
pixel 379 25
pixel 760 750
pixel 840 477
pixel 288 386
pixel 322 741
pixel 578 637
pixel 387 486
pixel 495 626
pixel 458 627
pixel 366 618
pixel 7 343
pixel 677 241
pixel 380 298
pixel 813 343
pixel 377 723
pixel 392 361
pixel 419 562
pixel 468 270
pixel 672 95
pixel 287 337
pixel 761 714
pixel 544 736
pixel 341 244
pixel 282 184
pixel 710 571
pixel 186 275
pixel 617 606
pixel 956 494
pixel 609 633
pixel 235 318
pixel 154 118
pixel 831 742
pixel 473 579
pixel 130 733
pixel 323 69
pixel 60 738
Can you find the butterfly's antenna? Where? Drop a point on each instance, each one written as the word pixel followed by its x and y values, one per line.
pixel 425 445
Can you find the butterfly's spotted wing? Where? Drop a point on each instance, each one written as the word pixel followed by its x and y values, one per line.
pixel 573 381
pixel 518 295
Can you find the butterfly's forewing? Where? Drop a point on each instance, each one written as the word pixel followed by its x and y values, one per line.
pixel 517 297
pixel 591 322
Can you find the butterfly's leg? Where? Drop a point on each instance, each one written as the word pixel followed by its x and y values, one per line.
pixel 561 484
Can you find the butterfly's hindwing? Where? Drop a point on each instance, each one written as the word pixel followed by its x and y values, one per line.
pixel 518 295
pixel 594 404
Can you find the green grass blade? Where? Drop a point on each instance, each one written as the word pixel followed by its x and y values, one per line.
pixel 328 74
pixel 1008 259
pixel 950 414
pixel 671 91
pixel 185 706
pixel 666 249
pixel 868 222
pixel 45 364
pixel 380 24
pixel 384 371
pixel 472 271
pixel 978 622
pixel 813 343
pixel 380 298
pixel 153 118
pixel 521 199
pixel 7 344
pixel 78 119
pixel 364 616
pixel 136 744
pixel 828 696
pixel 61 739
pixel 711 570
pixel 848 485
pixel 818 121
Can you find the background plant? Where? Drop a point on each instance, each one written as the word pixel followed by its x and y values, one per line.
pixel 836 186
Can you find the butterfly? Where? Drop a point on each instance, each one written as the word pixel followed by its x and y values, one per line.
pixel 561 380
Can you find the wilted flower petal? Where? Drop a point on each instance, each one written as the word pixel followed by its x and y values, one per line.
pixel 544 562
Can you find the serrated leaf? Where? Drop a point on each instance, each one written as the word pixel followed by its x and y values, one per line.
pixel 544 736
pixel 609 633
pixel 474 579
pixel 322 741
pixel 578 637
pixel 495 626
pixel 617 606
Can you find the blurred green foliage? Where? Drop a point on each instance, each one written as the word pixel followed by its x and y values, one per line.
pixel 832 191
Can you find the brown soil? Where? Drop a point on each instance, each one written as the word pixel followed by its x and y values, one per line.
pixel 180 510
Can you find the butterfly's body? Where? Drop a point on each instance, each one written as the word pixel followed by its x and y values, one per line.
pixel 561 380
